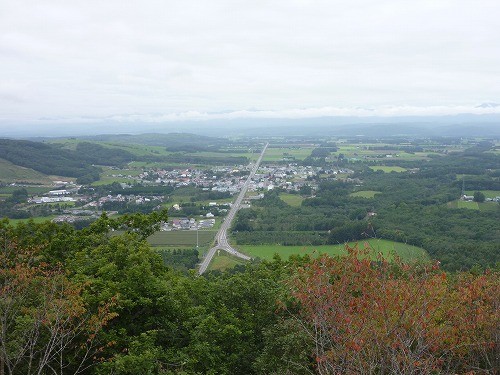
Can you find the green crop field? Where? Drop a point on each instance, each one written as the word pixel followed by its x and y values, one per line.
pixel 365 193
pixel 386 247
pixel 294 200
pixel 277 154
pixel 181 238
pixel 388 169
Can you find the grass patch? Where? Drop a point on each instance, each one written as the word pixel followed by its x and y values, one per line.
pixel 365 193
pixel 10 172
pixel 386 247
pixel 294 200
pixel 224 261
pixel 468 205
pixel 388 169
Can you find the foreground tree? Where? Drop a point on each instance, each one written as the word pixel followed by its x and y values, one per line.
pixel 385 317
pixel 45 326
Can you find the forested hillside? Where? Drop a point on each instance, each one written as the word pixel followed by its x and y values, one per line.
pixel 44 158
pixel 53 160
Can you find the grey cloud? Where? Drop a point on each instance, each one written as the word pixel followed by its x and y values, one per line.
pixel 73 59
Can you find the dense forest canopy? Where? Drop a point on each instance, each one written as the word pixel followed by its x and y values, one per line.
pixel 93 303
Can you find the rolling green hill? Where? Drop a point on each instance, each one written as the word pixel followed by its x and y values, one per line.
pixel 10 172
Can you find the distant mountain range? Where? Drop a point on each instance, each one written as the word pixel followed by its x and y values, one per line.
pixel 463 125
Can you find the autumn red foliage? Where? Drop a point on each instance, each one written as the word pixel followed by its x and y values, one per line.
pixel 370 316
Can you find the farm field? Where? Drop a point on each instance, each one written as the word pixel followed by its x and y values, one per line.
pixel 276 154
pixel 361 152
pixel 484 206
pixel 386 247
pixel 365 193
pixel 294 200
pixel 181 238
pixel 388 169
pixel 213 154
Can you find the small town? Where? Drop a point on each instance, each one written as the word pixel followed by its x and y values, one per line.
pixel 72 202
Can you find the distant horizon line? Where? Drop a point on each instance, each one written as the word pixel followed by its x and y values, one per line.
pixel 386 111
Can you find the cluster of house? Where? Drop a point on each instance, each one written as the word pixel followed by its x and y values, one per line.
pixel 69 218
pixel 289 177
pixel 187 224
pixel 470 198
pixel 217 177
pixel 132 198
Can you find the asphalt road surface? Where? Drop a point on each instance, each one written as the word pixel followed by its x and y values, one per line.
pixel 221 241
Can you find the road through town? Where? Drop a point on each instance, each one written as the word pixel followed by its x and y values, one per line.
pixel 221 241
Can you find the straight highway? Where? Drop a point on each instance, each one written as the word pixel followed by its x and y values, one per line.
pixel 221 240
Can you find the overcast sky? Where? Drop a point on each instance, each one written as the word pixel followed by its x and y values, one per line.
pixel 161 60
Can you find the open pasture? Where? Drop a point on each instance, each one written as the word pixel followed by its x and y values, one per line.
pixel 10 172
pixel 294 200
pixel 386 247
